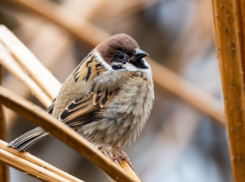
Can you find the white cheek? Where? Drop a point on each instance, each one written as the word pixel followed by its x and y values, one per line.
pixel 101 60
pixel 147 70
pixel 130 67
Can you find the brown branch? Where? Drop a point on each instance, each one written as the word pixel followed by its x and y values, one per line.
pixel 229 33
pixel 187 91
pixel 112 11
pixel 33 166
pixel 50 58
pixel 56 43
pixel 25 59
pixel 8 61
pixel 4 172
pixel 92 36
pixel 72 23
pixel 62 132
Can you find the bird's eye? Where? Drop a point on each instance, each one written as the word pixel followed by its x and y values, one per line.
pixel 121 55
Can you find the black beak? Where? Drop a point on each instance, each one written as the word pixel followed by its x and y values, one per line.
pixel 138 54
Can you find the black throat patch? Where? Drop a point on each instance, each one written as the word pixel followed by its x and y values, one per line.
pixel 139 64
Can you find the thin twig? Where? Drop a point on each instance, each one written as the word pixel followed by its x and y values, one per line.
pixel 33 166
pixel 4 172
pixel 38 162
pixel 72 23
pixel 24 58
pixel 111 11
pixel 56 46
pixel 56 43
pixel 187 91
pixel 92 36
pixel 63 133
pixel 8 61
pixel 229 34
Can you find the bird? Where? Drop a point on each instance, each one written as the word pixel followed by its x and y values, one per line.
pixel 107 98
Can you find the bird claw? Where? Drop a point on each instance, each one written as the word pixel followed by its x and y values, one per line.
pixel 123 156
pixel 117 155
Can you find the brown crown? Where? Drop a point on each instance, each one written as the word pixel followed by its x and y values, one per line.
pixel 112 45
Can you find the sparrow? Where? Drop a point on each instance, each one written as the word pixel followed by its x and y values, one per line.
pixel 107 98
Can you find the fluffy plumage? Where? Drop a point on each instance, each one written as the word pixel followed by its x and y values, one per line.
pixel 107 98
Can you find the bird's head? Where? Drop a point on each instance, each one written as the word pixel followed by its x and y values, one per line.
pixel 122 52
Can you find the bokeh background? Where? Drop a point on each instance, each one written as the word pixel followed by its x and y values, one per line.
pixel 179 143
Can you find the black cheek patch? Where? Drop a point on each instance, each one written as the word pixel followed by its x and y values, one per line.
pixel 117 67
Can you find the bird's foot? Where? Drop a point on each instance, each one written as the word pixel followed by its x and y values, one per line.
pixel 116 155
pixel 121 155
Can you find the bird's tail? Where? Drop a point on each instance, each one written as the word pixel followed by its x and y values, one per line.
pixel 26 140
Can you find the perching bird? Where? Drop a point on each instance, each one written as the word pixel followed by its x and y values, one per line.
pixel 107 98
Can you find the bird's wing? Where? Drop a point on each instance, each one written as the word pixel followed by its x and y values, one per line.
pixel 103 90
pixel 87 109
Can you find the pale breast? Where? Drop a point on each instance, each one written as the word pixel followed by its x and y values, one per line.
pixel 125 117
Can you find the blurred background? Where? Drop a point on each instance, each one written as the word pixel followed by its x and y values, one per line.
pixel 179 143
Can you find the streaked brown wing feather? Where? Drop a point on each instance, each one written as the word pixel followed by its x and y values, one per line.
pixel 88 69
pixel 86 110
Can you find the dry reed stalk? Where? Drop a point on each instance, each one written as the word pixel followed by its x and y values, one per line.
pixel 63 18
pixel 92 36
pixel 63 133
pixel 45 50
pixel 187 91
pixel 9 62
pixel 25 59
pixel 55 41
pixel 128 169
pixel 51 39
pixel 29 168
pixel 229 33
pixel 4 172
pixel 39 172
pixel 111 11
pixel 49 47
pixel 34 161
